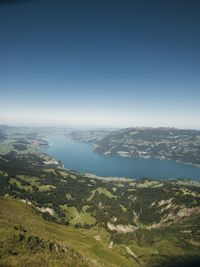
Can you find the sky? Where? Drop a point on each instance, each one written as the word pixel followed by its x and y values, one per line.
pixel 102 63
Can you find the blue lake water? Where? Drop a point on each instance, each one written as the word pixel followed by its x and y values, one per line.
pixel 79 156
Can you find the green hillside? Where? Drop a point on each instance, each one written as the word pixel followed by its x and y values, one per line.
pixel 26 239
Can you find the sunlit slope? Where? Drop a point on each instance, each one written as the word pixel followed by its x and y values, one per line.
pixel 26 239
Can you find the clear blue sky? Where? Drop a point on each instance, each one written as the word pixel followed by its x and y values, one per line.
pixel 100 62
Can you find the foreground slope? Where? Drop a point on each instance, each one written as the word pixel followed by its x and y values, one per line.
pixel 26 239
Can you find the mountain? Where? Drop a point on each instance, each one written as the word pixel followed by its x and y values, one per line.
pixel 50 216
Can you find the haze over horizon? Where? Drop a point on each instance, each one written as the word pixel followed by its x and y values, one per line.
pixel 100 63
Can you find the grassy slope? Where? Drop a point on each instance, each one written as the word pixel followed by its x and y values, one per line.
pixel 26 239
pixel 21 227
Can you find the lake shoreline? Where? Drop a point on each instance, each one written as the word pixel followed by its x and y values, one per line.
pixel 52 150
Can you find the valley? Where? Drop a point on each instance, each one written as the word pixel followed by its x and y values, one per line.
pixel 58 217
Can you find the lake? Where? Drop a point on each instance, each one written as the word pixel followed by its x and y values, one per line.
pixel 79 156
